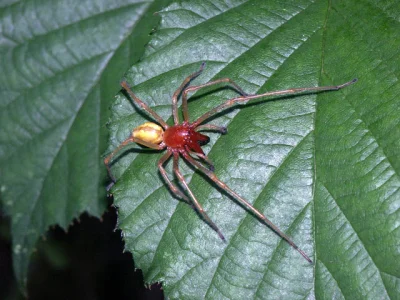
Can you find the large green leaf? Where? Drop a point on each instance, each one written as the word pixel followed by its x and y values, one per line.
pixel 61 62
pixel 323 167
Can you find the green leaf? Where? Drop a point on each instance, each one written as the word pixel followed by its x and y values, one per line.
pixel 61 63
pixel 323 167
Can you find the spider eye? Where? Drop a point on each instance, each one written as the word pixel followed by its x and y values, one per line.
pixel 149 132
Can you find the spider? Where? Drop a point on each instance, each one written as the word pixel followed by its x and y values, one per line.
pixel 185 140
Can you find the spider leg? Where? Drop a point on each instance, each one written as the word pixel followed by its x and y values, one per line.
pixel 244 99
pixel 126 142
pixel 143 105
pixel 197 87
pixel 196 203
pixel 179 91
pixel 210 127
pixel 171 186
pixel 205 158
pixel 221 130
pixel 246 204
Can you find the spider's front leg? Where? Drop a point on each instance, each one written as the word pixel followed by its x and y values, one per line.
pixel 206 159
pixel 245 203
pixel 196 203
pixel 171 186
pixel 245 98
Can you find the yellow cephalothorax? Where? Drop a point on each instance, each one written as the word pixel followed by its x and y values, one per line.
pixel 149 132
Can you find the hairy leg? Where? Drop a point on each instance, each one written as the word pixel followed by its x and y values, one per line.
pixel 196 203
pixel 245 203
pixel 171 186
pixel 143 105
pixel 198 87
pixel 210 127
pixel 244 99
pixel 179 91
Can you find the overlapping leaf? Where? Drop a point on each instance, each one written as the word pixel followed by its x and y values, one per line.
pixel 323 167
pixel 61 62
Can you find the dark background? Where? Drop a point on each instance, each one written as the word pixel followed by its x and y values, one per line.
pixel 87 262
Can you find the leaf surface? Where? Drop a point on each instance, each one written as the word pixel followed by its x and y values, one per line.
pixel 61 62
pixel 323 167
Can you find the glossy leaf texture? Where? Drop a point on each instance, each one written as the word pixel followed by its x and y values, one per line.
pixel 324 167
pixel 61 63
